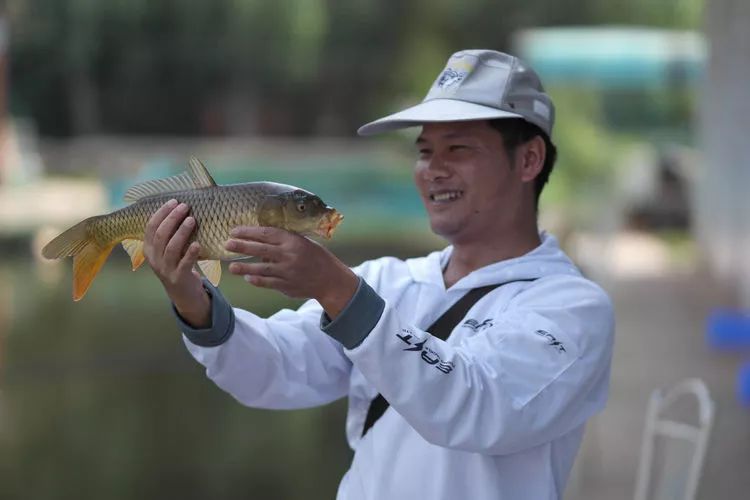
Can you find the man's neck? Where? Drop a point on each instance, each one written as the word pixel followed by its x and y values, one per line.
pixel 469 256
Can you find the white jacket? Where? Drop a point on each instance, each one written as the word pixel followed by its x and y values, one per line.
pixel 495 412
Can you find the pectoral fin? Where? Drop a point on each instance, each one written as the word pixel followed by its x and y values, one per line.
pixel 212 270
pixel 135 250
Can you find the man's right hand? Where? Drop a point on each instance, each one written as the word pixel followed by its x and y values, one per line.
pixel 170 254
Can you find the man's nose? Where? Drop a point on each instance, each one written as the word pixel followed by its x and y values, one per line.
pixel 437 168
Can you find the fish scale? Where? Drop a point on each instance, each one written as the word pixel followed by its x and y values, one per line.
pixel 216 209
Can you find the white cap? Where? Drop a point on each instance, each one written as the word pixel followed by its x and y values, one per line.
pixel 477 85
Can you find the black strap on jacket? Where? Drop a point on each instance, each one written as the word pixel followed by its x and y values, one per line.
pixel 441 329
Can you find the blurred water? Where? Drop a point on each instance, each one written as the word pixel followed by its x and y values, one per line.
pixel 99 399
pixel 367 190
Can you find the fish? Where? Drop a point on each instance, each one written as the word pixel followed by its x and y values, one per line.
pixel 217 209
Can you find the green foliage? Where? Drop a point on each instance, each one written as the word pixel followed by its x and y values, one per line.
pixel 295 67
pixel 683 14
pixel 588 153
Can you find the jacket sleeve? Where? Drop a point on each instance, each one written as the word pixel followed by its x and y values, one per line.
pixel 537 373
pixel 282 362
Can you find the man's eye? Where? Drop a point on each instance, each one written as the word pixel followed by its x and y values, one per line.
pixel 458 147
pixel 424 152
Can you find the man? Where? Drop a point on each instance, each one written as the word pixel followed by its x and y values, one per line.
pixel 497 410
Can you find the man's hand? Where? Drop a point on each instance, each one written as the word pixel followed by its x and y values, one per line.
pixel 171 256
pixel 293 265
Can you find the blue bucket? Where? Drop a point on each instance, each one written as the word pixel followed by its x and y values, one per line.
pixel 728 330
pixel 743 385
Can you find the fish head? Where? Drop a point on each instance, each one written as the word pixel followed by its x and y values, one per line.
pixel 299 211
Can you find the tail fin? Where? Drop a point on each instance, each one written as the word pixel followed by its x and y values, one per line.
pixel 68 243
pixel 86 265
pixel 88 255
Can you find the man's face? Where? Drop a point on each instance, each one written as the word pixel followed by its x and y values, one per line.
pixel 467 180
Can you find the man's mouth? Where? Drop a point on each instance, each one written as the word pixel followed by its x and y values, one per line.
pixel 446 196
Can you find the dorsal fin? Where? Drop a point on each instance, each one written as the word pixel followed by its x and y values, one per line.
pixel 200 174
pixel 195 178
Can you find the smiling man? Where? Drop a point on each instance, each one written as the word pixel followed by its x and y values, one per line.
pixel 470 372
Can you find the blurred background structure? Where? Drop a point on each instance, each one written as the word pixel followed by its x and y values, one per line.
pixel 99 399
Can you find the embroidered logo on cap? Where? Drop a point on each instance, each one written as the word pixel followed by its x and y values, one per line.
pixel 450 78
pixel 455 72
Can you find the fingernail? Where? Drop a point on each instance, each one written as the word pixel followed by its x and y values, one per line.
pixel 189 221
pixel 182 206
pixel 233 267
pixel 172 202
pixel 234 232
pixel 247 278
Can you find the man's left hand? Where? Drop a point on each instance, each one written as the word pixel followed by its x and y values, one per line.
pixel 293 265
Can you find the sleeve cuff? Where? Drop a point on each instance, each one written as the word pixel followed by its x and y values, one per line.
pixel 358 318
pixel 222 321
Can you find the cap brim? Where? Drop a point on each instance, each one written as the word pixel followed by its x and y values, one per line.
pixel 432 111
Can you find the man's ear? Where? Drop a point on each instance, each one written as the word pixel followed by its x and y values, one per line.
pixel 530 158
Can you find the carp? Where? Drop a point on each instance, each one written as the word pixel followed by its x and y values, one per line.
pixel 217 209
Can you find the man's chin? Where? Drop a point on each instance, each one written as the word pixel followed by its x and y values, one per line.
pixel 445 229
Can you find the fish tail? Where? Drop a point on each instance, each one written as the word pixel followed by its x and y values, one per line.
pixel 68 243
pixel 88 255
pixel 86 265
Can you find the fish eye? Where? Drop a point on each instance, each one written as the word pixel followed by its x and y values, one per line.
pixel 301 207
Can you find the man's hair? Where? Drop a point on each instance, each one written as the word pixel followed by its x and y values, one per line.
pixel 517 131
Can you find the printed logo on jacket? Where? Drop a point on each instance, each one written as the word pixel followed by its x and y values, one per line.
pixel 476 325
pixel 551 340
pixel 428 355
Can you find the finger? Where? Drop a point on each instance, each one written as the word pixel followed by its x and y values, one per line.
pixel 266 282
pixel 156 219
pixel 254 268
pixel 176 246
pixel 166 229
pixel 264 234
pixel 190 259
pixel 254 248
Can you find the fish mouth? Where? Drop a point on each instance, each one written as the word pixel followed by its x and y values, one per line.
pixel 328 223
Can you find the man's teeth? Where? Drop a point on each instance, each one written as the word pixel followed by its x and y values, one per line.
pixel 450 195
